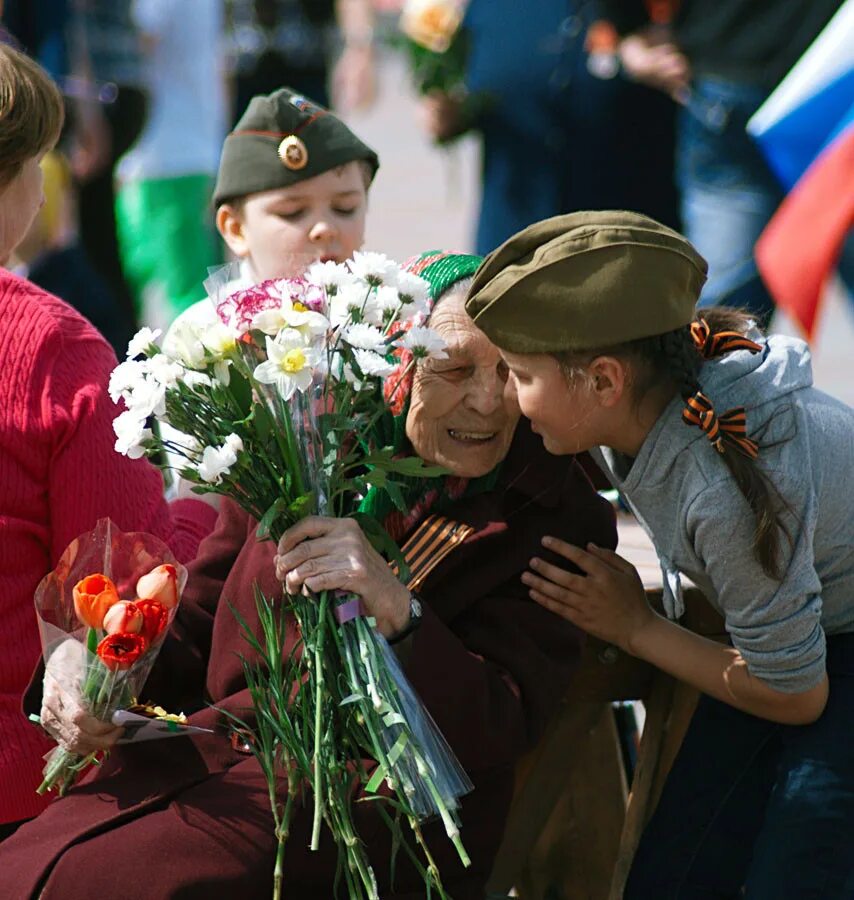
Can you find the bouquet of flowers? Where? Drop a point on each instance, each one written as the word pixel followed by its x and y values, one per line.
pixel 279 405
pixel 103 613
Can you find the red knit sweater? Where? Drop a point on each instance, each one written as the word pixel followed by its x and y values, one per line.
pixel 59 474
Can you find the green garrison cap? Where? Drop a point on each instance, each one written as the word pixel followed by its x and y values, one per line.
pixel 281 139
pixel 586 280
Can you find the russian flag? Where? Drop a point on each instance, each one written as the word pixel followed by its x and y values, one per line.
pixel 806 131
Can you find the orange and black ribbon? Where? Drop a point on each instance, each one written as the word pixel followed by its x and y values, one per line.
pixel 429 544
pixel 710 345
pixel 726 430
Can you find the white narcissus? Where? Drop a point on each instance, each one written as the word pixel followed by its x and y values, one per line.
pixel 290 363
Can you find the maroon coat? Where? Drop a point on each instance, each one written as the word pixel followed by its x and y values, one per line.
pixel 189 817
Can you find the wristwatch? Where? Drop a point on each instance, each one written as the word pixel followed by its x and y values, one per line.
pixel 416 613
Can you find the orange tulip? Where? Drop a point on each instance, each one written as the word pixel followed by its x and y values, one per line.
pixel 93 596
pixel 123 617
pixel 159 584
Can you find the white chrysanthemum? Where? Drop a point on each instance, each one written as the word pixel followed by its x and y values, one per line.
pixel 354 303
pixel 330 276
pixel 365 337
pixel 414 293
pixel 388 302
pixel 289 364
pixel 217 461
pixel 374 268
pixel 372 364
pixel 131 434
pixel 141 341
pixel 423 343
pixel 125 378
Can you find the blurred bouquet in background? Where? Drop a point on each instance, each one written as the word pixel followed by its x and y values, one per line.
pixel 103 613
pixel 278 404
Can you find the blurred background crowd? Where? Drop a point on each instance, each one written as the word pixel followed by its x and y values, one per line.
pixel 487 116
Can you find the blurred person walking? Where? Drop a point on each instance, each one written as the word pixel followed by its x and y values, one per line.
pixel 721 59
pixel 556 136
pixel 278 43
pixel 164 217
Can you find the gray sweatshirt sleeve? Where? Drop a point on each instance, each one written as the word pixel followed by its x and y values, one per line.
pixel 773 624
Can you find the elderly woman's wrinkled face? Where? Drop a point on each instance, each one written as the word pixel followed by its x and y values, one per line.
pixel 462 414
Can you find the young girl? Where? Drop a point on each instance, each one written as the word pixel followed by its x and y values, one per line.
pixel 741 473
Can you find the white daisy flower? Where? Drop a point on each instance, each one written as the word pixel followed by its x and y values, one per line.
pixel 289 365
pixel 330 276
pixel 414 293
pixel 354 303
pixel 373 364
pixel 131 434
pixel 423 343
pixel 141 341
pixel 217 461
pixel 374 268
pixel 365 337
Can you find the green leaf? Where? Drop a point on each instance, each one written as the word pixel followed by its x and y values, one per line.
pixel 241 391
pixel 276 509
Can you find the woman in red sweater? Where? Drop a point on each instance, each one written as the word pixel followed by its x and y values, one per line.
pixel 59 472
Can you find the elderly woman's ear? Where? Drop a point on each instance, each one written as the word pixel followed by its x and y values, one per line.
pixel 462 415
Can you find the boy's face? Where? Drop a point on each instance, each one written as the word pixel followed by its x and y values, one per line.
pixel 284 230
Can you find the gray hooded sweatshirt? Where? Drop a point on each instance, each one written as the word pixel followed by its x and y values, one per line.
pixel 684 496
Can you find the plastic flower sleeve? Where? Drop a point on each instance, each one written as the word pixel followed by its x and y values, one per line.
pixel 88 666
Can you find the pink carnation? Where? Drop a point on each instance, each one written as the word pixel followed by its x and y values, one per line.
pixel 237 310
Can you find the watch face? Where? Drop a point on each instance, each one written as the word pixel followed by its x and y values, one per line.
pixel 414 607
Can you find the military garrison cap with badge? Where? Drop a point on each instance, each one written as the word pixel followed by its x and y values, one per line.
pixel 281 139
pixel 586 280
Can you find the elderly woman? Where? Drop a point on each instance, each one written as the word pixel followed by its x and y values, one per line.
pixel 489 663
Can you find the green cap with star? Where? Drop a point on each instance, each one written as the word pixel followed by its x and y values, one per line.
pixel 284 138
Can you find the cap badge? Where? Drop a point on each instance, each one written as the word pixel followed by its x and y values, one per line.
pixel 293 153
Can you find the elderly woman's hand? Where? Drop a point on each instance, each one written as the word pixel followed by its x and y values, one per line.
pixel 325 554
pixel 63 714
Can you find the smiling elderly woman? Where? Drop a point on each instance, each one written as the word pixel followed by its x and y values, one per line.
pixel 488 662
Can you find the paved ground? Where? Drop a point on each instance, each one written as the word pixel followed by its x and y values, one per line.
pixel 426 198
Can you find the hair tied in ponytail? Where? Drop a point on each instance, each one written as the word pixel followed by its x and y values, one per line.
pixel 726 430
pixel 711 344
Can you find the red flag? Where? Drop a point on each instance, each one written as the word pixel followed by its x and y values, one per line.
pixel 801 245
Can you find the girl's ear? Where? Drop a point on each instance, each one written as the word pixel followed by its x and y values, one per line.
pixel 229 224
pixel 608 379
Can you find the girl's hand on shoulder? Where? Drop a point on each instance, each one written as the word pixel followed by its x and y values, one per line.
pixel 608 601
pixel 325 554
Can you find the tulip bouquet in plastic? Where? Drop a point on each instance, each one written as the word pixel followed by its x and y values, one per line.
pixel 103 613
pixel 277 402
